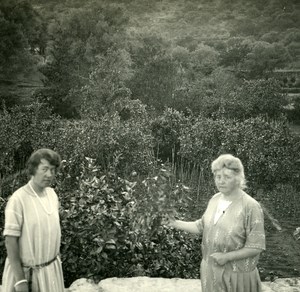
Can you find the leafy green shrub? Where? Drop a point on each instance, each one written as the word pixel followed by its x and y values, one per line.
pixel 201 142
pixel 112 227
pixel 107 139
pixel 223 95
pixel 166 130
pixel 124 144
pixel 95 222
pixel 254 98
pixel 166 253
pixel 282 201
pixel 22 130
pixel 294 112
pixel 267 149
pixel 15 127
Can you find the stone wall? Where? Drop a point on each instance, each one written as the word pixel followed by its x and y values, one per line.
pixel 146 284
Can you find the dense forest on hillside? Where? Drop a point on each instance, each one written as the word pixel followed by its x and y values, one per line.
pixel 80 56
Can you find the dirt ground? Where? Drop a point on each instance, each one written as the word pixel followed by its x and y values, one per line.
pixel 282 256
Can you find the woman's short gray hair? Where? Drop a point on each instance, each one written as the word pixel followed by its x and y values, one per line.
pixel 230 162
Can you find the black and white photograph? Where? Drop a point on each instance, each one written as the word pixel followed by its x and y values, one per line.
pixel 149 146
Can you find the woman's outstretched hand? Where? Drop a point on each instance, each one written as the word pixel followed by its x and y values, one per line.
pixel 168 220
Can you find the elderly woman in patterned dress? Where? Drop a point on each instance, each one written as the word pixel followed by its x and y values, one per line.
pixel 32 230
pixel 232 230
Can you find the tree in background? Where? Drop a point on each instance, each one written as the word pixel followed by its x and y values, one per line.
pixel 21 41
pixel 265 58
pixel 235 51
pixel 154 77
pixel 291 40
pixel 203 60
pixel 106 83
pixel 76 37
pixel 253 98
pixel 170 56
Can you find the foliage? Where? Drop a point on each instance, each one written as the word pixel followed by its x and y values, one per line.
pixel 264 58
pixel 253 98
pixel 223 94
pixel 200 142
pixel 95 222
pixel 77 39
pixel 166 130
pixel 21 43
pixel 121 138
pixel 111 227
pixel 112 204
pixel 235 51
pixel 92 53
pixel 123 133
pixel 283 201
pixel 106 83
pixel 20 32
pixel 131 109
pixel 156 197
pixel 267 149
pixel 154 84
pixel 293 114
pixel 165 254
pixel 103 63
pixel 209 95
pixel 204 59
pixel 21 131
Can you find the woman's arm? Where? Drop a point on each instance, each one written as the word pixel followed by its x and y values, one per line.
pixel 185 226
pixel 13 254
pixel 245 252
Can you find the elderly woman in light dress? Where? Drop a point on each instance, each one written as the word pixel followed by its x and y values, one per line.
pixel 232 229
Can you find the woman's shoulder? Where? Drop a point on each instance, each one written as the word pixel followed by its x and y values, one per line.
pixel 215 197
pixel 250 201
pixel 18 197
pixel 20 192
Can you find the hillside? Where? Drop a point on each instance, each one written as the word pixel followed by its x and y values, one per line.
pixel 67 41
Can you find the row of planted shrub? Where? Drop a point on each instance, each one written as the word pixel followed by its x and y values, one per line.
pixel 134 140
pixel 112 203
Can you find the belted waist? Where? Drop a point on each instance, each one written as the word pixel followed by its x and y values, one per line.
pixel 36 267
pixel 41 265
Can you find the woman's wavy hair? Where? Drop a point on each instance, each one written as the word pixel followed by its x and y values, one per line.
pixel 35 159
pixel 230 162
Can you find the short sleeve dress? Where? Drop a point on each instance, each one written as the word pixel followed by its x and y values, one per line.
pixel 241 225
pixel 39 238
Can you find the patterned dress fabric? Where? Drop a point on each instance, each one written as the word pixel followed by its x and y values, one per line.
pixel 39 238
pixel 240 225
